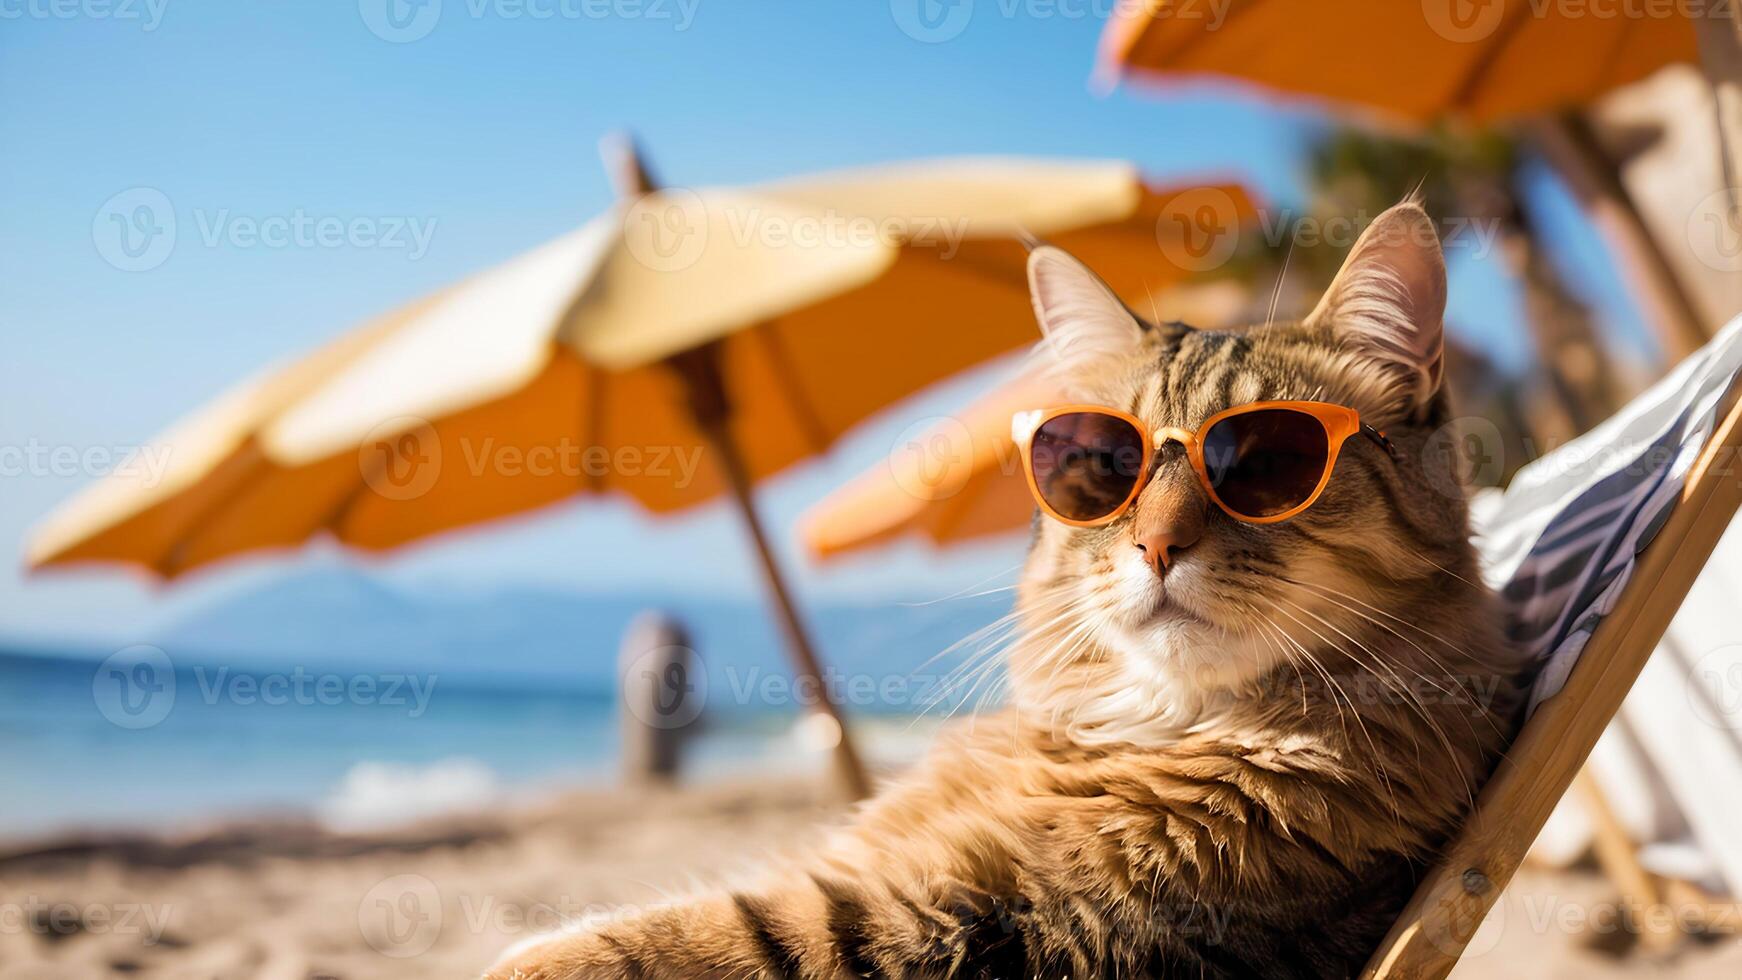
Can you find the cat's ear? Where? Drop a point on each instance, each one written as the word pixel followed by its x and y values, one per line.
pixel 1388 302
pixel 1087 327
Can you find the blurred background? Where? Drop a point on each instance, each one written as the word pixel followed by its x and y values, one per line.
pixel 295 707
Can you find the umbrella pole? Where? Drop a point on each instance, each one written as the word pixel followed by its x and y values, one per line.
pixel 1720 44
pixel 1573 150
pixel 710 411
pixel 808 671
pixel 710 408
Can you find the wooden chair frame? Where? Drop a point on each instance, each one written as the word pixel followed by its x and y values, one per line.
pixel 1452 900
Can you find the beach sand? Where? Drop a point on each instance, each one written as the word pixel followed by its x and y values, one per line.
pixel 287 901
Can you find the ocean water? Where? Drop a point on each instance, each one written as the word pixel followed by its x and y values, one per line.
pixel 434 706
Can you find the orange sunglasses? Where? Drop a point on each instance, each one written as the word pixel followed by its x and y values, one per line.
pixel 1261 463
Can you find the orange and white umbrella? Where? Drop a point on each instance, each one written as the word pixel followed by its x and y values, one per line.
pixel 685 343
pixel 956 480
pixel 1486 61
pixel 552 374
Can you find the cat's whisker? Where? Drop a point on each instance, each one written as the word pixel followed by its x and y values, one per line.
pixel 1276 293
pixel 1285 656
pixel 997 639
pixel 1458 690
pixel 1009 620
pixel 1321 587
pixel 988 667
pixel 1417 554
pixel 1410 698
pixel 1384 774
pixel 1313 663
pixel 1075 640
pixel 966 592
pixel 976 662
pixel 944 690
pixel 980 663
pixel 1378 660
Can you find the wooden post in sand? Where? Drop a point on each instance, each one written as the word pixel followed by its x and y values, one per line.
pixel 663 691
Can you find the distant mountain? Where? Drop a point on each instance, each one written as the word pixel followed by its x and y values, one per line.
pixel 343 619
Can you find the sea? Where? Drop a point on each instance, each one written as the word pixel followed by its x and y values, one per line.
pixel 345 702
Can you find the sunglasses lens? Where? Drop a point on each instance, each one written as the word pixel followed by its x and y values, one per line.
pixel 1086 463
pixel 1266 462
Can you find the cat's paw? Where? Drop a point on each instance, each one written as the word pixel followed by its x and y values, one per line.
pixel 569 955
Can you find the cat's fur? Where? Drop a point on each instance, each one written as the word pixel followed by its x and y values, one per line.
pixel 1234 769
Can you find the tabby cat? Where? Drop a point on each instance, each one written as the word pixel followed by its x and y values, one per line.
pixel 1231 747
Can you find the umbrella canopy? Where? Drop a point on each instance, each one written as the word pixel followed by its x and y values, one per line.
pixel 688 342
pixel 957 480
pixel 550 375
pixel 1486 61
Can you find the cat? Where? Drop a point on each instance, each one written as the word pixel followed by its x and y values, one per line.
pixel 1233 758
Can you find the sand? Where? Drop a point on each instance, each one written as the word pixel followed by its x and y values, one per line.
pixel 287 901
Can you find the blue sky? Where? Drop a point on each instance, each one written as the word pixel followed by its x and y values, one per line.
pixel 483 130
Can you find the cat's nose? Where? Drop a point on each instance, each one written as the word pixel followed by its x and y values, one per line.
pixel 1167 530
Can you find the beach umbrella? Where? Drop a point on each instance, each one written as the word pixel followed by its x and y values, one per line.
pixel 958 479
pixel 1485 62
pixel 684 346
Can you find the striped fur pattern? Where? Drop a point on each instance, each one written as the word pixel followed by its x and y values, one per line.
pixel 1237 768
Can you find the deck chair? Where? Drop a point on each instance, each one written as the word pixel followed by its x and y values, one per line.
pixel 1593 548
